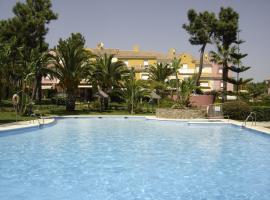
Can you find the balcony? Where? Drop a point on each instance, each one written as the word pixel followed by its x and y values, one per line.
pixel 186 71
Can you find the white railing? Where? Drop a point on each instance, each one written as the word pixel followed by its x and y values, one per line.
pixel 252 116
pixel 186 71
pixel 38 118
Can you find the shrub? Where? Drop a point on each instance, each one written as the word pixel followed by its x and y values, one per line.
pixel 59 99
pixel 236 110
pixel 262 112
pixel 166 103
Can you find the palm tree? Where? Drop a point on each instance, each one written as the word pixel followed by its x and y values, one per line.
pixel 108 72
pixel 223 57
pixel 186 88
pixel 160 72
pixel 176 66
pixel 70 64
pixel 133 90
pixel 158 75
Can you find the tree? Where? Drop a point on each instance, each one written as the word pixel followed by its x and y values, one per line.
pixel 238 68
pixel 225 35
pixel 20 36
pixel 34 15
pixel 70 63
pixel 133 91
pixel 201 28
pixel 158 75
pixel 108 73
pixel 160 72
pixel 257 89
pixel 238 81
pixel 223 58
pixel 176 66
pixel 186 88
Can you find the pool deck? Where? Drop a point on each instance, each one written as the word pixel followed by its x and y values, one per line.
pixel 25 124
pixel 260 126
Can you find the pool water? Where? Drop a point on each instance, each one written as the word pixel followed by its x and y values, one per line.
pixel 134 159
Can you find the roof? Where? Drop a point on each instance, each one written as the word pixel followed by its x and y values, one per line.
pixel 138 54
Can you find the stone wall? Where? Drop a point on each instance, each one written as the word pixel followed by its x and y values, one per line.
pixel 180 113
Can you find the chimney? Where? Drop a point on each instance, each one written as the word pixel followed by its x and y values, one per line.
pixel 100 45
pixel 136 48
pixel 172 52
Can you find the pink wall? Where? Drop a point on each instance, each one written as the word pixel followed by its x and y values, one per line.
pixel 201 100
pixel 218 76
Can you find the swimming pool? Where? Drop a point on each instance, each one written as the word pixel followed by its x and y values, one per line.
pixel 134 158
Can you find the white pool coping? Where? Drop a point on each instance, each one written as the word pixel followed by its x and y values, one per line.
pixel 51 119
pixel 25 124
pixel 217 121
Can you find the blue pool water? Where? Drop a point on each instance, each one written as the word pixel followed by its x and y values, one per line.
pixel 134 159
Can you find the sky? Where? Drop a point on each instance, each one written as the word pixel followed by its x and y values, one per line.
pixel 156 25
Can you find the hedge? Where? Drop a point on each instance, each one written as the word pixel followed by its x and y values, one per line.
pixel 262 112
pixel 236 110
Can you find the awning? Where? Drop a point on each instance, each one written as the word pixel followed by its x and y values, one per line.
pixel 85 86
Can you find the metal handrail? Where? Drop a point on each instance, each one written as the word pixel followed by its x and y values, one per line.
pixel 38 117
pixel 227 117
pixel 251 115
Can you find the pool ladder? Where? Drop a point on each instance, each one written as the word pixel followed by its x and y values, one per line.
pixel 38 119
pixel 252 116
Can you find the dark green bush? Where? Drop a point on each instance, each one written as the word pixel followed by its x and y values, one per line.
pixel 166 103
pixel 236 110
pixel 262 112
pixel 59 99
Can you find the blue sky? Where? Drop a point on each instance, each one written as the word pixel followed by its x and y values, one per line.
pixel 157 25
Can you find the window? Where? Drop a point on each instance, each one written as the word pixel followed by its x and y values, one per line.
pixel 220 71
pixel 204 84
pixel 221 85
pixel 186 78
pixel 114 59
pixel 145 76
pixel 145 62
pixel 185 66
pixel 126 62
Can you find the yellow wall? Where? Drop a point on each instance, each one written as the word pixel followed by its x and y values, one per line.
pixel 138 64
pixel 187 59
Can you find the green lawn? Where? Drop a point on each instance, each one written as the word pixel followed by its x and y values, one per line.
pixel 8 115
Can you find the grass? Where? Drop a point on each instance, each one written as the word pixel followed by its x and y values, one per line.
pixel 8 115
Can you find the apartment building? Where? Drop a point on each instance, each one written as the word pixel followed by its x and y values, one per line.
pixel 211 78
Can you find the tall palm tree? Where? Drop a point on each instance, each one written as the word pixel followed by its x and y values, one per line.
pixel 158 74
pixel 133 90
pixel 223 57
pixel 176 66
pixel 186 88
pixel 108 72
pixel 70 64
